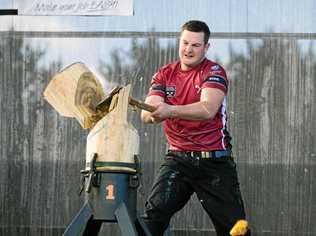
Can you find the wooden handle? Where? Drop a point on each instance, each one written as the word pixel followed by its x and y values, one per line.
pixel 141 105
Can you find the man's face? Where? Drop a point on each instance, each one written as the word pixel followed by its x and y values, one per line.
pixel 192 49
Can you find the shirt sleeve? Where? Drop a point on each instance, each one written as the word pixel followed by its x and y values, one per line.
pixel 157 86
pixel 216 78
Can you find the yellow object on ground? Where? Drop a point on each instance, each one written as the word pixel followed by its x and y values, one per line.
pixel 240 228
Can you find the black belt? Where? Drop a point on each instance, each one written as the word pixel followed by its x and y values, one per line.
pixel 203 154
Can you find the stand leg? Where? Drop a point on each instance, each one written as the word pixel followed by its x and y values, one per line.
pixel 124 221
pixel 79 223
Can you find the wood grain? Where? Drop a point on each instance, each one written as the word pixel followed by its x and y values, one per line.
pixel 75 92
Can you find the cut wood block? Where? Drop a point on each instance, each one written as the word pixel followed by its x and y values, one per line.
pixel 75 92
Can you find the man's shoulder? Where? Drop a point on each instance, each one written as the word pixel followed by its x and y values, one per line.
pixel 169 67
pixel 213 65
pixel 212 68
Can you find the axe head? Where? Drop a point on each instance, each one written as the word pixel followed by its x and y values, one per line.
pixel 104 105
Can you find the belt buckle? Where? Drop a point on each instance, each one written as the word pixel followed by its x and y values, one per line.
pixel 206 155
pixel 203 155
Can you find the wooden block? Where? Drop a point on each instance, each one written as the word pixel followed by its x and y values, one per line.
pixel 75 92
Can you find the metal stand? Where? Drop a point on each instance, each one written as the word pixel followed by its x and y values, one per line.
pixel 111 196
pixel 85 223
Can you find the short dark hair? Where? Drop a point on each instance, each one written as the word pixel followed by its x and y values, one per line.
pixel 197 26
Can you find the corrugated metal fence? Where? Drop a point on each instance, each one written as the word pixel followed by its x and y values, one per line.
pixel 272 115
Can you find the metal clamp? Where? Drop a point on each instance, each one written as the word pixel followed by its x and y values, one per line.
pixel 91 175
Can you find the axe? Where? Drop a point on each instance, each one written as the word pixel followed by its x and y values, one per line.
pixel 104 105
pixel 76 92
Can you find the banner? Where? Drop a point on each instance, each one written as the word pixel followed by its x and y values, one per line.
pixel 75 7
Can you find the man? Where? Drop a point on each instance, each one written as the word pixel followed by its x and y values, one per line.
pixel 189 96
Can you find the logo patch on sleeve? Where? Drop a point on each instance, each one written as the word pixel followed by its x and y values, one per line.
pixel 217 79
pixel 158 87
pixel 170 91
pixel 216 67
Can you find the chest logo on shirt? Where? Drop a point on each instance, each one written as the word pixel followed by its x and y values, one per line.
pixel 170 91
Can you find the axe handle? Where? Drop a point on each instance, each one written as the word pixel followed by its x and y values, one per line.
pixel 141 105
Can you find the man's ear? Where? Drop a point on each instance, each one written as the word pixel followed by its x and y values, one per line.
pixel 206 47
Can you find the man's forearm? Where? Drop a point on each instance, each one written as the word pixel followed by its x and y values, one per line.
pixel 210 101
pixel 196 111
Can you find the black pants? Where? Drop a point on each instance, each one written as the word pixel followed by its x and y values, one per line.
pixel 214 181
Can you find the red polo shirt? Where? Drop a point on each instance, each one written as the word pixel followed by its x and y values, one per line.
pixel 179 87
